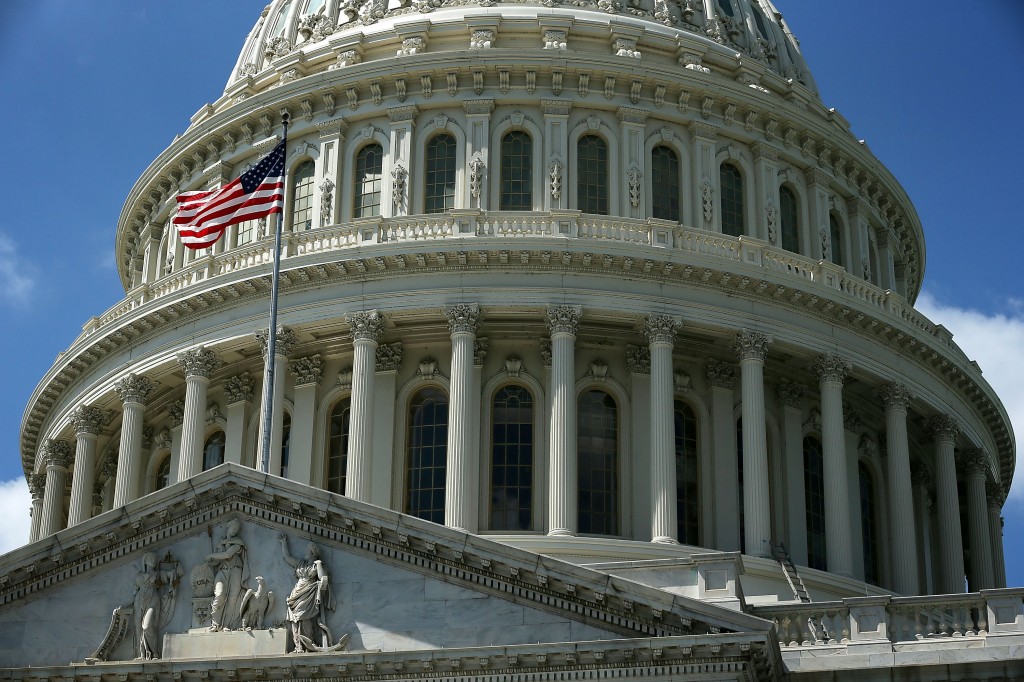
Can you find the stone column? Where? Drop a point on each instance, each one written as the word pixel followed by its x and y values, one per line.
pixel 133 391
pixel 638 362
pixel 37 488
pixel 388 360
pixel 238 394
pixel 790 398
pixel 274 395
pixel 660 333
pixel 752 348
pixel 176 417
pixel 976 467
pixel 198 363
pixel 704 176
pixel 902 544
pixel 832 371
pixel 306 375
pixel 150 239
pixel 944 430
pixel 921 479
pixel 57 454
pixel 563 322
pixel 463 322
pixel 87 422
pixel 556 155
pixel 722 379
pixel 995 494
pixel 367 329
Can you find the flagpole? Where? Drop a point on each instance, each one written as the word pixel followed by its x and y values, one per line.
pixel 268 377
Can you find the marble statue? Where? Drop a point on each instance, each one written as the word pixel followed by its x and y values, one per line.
pixel 309 601
pixel 256 604
pixel 232 572
pixel 156 587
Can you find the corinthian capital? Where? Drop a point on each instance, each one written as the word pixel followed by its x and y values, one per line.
pixel 660 329
pixel 176 413
pixel 721 374
pixel 943 427
pixel 463 318
pixel 37 485
pixel 995 493
pixel 389 357
pixel 920 475
pixel 108 468
pixel 974 461
pixel 199 362
pixel 133 389
pixel 831 367
pixel 238 389
pixel 366 325
pixel 91 420
pixel 58 453
pixel 790 394
pixel 308 370
pixel 894 396
pixel 751 345
pixel 638 359
pixel 564 319
pixel 284 343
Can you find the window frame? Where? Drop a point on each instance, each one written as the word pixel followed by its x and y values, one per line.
pixel 356 197
pixel 679 193
pixel 293 188
pixel 744 203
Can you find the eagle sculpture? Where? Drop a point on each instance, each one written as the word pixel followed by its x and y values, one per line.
pixel 256 605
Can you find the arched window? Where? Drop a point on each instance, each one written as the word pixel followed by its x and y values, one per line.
pixel 814 502
pixel 302 196
pixel 731 182
pixel 687 474
pixel 368 178
pixel 439 180
pixel 598 463
pixel 665 202
pixel 788 211
pixel 512 459
pixel 286 441
pixel 836 235
pixel 592 175
pixel 426 453
pixel 213 450
pixel 315 7
pixel 516 183
pixel 762 28
pixel 163 473
pixel 868 527
pixel 282 20
pixel 337 445
pixel 727 7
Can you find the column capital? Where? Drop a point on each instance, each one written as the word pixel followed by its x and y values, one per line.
pixel 480 346
pixel 790 394
pixel 58 453
pixel 366 325
pixel 974 461
pixel 238 389
pixel 750 345
pixel 463 318
pixel 108 469
pixel 831 367
pixel 852 421
pixel 198 362
pixel 995 492
pixel 660 329
pixel 920 475
pixel 286 340
pixel 309 370
pixel 943 427
pixel 564 319
pixel 37 485
pixel 894 395
pixel 721 374
pixel 90 420
pixel 176 413
pixel 133 389
pixel 638 359
pixel 389 356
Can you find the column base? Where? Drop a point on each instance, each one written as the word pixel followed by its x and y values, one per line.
pixel 665 540
pixel 561 532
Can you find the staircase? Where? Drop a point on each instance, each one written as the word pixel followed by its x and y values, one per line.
pixel 789 570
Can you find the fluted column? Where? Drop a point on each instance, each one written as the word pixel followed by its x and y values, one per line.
pixel 563 322
pixel 944 430
pixel 198 363
pixel 367 330
pixel 789 397
pixel 976 466
pixel 722 380
pixel 37 488
pixel 660 332
pixel 463 321
pixel 87 422
pixel 832 371
pixel 995 494
pixel 902 536
pixel 752 348
pixel 274 395
pixel 921 479
pixel 133 391
pixel 57 454
pixel 176 417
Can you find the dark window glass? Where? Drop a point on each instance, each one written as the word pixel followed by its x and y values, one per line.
pixel 439 188
pixel 512 459
pixel 426 453
pixel 368 177
pixel 213 450
pixel 302 196
pixel 788 216
pixel 836 235
pixel 286 441
pixel 598 456
pixel 592 175
pixel 869 532
pixel 337 445
pixel 814 501
pixel 687 474
pixel 732 199
pixel 759 20
pixel 665 183
pixel 516 186
pixel 726 7
pixel 163 473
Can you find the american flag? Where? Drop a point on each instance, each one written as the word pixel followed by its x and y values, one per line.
pixel 202 216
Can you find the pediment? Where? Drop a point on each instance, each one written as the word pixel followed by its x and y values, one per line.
pixel 398 583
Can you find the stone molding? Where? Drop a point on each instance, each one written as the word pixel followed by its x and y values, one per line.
pixel 199 362
pixel 721 374
pixel 895 396
pixel 90 420
pixel 308 370
pixel 660 329
pixel 751 345
pixel 58 453
pixel 831 367
pixel 239 388
pixel 285 341
pixel 463 318
pixel 366 325
pixel 564 319
pixel 389 357
pixel 974 461
pixel 943 427
pixel 134 389
pixel 790 394
pixel 638 359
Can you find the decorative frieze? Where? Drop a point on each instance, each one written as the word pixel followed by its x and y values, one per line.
pixel 239 388
pixel 638 359
pixel 463 318
pixel 481 39
pixel 58 453
pixel 285 341
pixel 199 362
pixel 133 389
pixel 831 367
pixel 308 370
pixel 564 319
pixel 554 40
pixel 721 374
pixel 751 345
pixel 91 420
pixel 790 394
pixel 389 356
pixel 366 325
pixel 894 395
pixel 943 427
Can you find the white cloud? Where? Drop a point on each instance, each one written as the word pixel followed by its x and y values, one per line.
pixel 16 274
pixel 15 501
pixel 996 341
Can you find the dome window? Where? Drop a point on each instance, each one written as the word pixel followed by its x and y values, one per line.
pixel 516 171
pixel 665 193
pixel 368 178
pixel 439 187
pixel 789 213
pixel 302 196
pixel 731 182
pixel 592 175
pixel 337 445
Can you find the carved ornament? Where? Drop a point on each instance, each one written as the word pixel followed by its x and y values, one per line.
pixel 831 367
pixel 133 389
pixel 58 453
pixel 176 413
pixel 480 346
pixel 638 359
pixel 91 420
pixel 721 374
pixel 37 485
pixel 790 394
pixel 750 345
pixel 895 396
pixel 943 427
pixel 366 325
pixel 199 362
pixel 285 341
pixel 514 366
pixel 463 318
pixel 564 319
pixel 974 461
pixel 545 352
pixel 660 329
pixel 308 370
pixel 389 356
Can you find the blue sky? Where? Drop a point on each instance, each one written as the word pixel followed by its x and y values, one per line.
pixel 94 91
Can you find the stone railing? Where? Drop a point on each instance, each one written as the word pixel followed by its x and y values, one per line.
pixel 869 620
